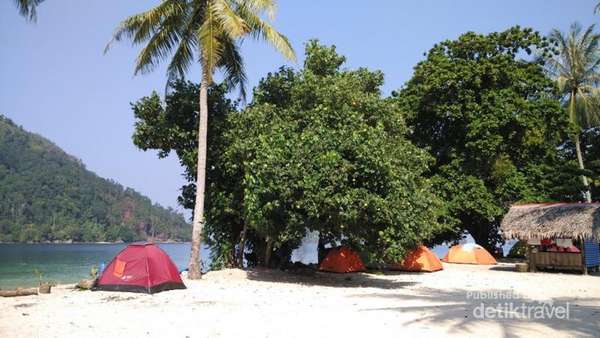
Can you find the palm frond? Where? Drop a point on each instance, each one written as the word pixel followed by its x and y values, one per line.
pixel 233 25
pixel 562 84
pixel 208 36
pixel 588 107
pixel 27 8
pixel 261 29
pixel 261 6
pixel 184 55
pixel 576 69
pixel 160 45
pixel 232 64
pixel 140 27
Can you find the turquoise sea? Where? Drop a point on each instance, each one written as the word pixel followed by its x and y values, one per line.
pixel 67 263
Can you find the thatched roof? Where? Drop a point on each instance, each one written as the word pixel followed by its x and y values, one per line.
pixel 557 220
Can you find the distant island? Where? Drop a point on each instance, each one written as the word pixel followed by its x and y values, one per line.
pixel 47 195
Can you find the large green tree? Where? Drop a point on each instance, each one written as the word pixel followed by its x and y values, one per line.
pixel 492 122
pixel 208 32
pixel 575 68
pixel 320 149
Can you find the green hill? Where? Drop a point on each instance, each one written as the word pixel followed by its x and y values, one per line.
pixel 48 195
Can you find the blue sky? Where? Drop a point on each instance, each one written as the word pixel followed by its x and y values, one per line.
pixel 55 80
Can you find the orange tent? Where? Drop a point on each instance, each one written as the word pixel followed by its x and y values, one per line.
pixel 342 259
pixel 469 253
pixel 420 259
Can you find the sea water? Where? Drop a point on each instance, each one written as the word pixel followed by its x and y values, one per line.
pixel 68 263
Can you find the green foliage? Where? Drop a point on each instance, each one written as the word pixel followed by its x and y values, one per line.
pixel 319 149
pixel 39 275
pixel 94 272
pixel 173 127
pixel 575 68
pixel 519 250
pixel 571 183
pixel 47 195
pixel 492 122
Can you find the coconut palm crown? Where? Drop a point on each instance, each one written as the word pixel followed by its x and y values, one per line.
pixel 204 31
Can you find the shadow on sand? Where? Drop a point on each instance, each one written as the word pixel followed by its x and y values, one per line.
pixel 314 277
pixel 503 267
pixel 458 309
pixel 452 307
pixel 511 268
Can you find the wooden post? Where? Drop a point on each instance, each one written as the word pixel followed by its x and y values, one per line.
pixel 530 259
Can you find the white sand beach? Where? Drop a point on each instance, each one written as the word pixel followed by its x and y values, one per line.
pixel 235 303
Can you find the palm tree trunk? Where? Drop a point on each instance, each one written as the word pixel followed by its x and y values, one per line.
pixel 587 193
pixel 195 271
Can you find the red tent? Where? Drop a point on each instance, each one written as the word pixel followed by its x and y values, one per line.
pixel 140 267
pixel 342 259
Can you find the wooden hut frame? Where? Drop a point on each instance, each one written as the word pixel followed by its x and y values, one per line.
pixel 578 221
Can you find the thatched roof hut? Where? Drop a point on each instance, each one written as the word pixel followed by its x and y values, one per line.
pixel 552 220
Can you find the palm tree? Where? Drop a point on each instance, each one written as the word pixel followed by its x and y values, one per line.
pixel 27 8
pixel 575 69
pixel 209 31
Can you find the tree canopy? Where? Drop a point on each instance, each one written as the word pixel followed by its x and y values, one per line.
pixel 318 149
pixel 493 123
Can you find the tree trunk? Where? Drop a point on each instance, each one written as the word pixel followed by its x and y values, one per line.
pixel 195 271
pixel 268 251
pixel 587 193
pixel 321 251
pixel 242 246
pixel 19 292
